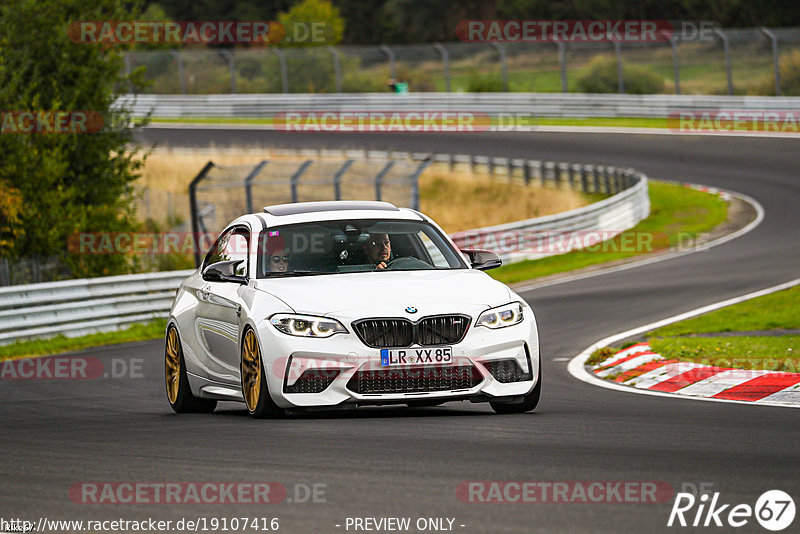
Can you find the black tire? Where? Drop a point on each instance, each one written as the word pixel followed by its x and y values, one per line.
pixel 528 404
pixel 251 366
pixel 179 393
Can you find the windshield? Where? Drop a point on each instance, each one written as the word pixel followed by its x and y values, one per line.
pixel 349 246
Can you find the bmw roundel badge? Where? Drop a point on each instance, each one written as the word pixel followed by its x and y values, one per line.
pixel 411 309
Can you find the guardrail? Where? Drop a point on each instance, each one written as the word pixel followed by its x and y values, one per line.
pixel 78 307
pixel 562 232
pixel 265 106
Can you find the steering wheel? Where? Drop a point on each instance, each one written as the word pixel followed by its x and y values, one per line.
pixel 407 262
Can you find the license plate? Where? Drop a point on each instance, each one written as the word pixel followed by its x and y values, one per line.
pixel 416 356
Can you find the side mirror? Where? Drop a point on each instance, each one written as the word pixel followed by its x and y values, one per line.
pixel 483 260
pixel 224 271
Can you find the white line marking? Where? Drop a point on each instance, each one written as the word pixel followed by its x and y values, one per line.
pixel 576 365
pixel 720 382
pixel 630 351
pixel 647 261
pixel 633 363
pixel 789 395
pixel 661 374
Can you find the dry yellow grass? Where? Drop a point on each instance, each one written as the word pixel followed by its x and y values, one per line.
pixel 457 200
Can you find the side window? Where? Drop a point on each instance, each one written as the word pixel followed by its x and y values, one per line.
pixel 231 245
pixel 237 249
pixel 436 255
pixel 217 251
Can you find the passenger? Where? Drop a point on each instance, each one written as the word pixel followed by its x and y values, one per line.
pixel 277 255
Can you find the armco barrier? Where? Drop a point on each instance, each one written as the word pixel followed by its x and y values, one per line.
pixel 78 307
pixel 534 104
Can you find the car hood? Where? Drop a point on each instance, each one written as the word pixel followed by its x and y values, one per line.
pixel 388 293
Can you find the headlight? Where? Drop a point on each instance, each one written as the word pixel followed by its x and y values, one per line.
pixel 306 325
pixel 502 316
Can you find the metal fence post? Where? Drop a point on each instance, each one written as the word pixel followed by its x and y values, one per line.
pixel 389 54
pixel 673 42
pixel 284 71
pixel 37 269
pixel 584 178
pixel 774 39
pixel 248 185
pixel 181 73
pixel 562 63
pixel 337 68
pixel 231 65
pixel 445 65
pixel 503 67
pixel 379 179
pixel 194 211
pixel 620 73
pixel 295 179
pixel 539 170
pixel 5 272
pixel 557 177
pixel 415 182
pixel 726 50
pixel 571 168
pixel 596 178
pixel 337 179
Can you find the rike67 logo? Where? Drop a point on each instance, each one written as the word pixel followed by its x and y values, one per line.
pixel 774 510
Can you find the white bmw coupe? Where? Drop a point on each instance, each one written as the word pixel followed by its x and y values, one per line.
pixel 323 305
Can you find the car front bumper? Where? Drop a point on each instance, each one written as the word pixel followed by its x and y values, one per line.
pixel 342 356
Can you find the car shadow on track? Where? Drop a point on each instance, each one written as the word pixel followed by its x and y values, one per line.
pixel 371 412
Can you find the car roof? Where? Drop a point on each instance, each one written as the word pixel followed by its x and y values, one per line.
pixel 300 212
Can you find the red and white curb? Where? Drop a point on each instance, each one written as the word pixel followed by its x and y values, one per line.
pixel 639 367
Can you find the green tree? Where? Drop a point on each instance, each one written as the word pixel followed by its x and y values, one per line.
pixel 312 23
pixel 68 183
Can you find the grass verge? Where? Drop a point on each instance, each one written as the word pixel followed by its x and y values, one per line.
pixel 60 344
pixel 772 353
pixel 776 310
pixel 779 310
pixel 677 213
pixel 749 350
pixel 694 126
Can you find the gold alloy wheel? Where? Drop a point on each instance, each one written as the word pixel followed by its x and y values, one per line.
pixel 172 365
pixel 251 371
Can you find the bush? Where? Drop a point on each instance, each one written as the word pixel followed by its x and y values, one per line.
pixel 601 77
pixel 790 76
pixel 485 83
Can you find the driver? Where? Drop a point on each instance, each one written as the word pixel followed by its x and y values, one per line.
pixel 378 249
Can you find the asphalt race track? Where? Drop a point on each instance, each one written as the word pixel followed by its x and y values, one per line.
pixel 408 462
